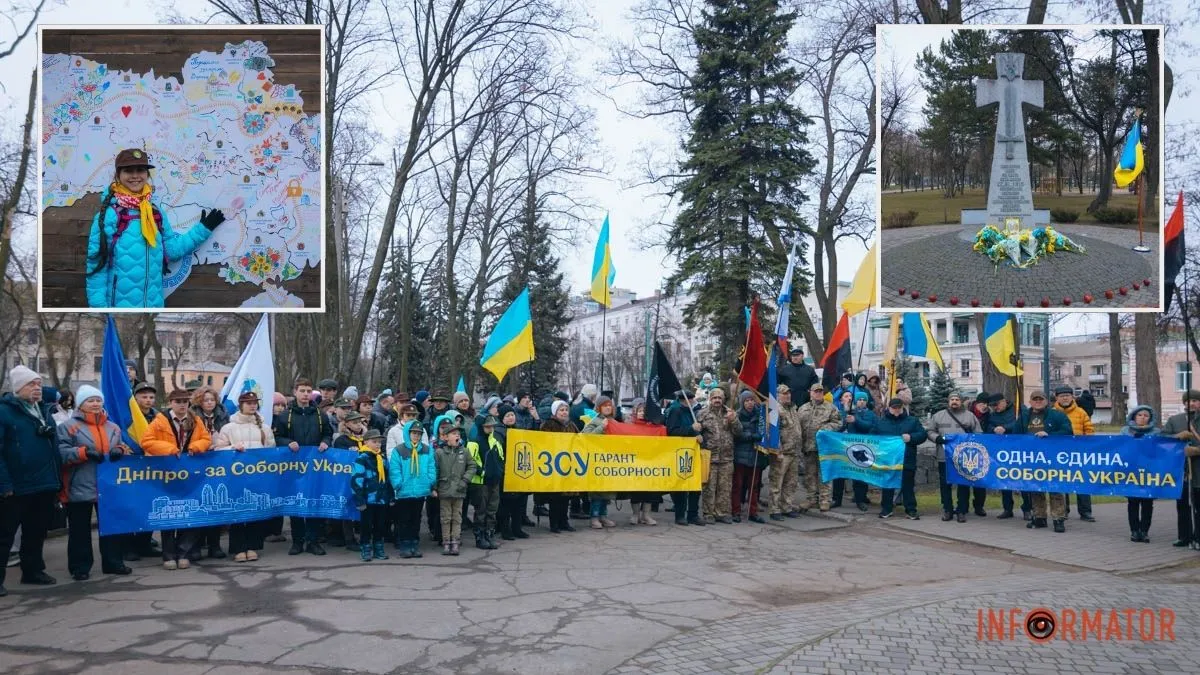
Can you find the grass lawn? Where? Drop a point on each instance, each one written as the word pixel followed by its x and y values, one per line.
pixel 933 209
pixel 929 502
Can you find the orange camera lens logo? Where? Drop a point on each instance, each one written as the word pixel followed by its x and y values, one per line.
pixel 1042 624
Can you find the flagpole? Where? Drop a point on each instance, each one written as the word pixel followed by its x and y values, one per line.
pixel 862 343
pixel 603 334
pixel 1141 197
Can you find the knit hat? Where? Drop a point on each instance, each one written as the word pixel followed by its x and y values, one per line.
pixel 461 396
pixel 130 363
pixel 562 396
pixel 861 396
pixel 385 392
pixel 351 392
pixel 639 401
pixel 983 397
pixel 279 399
pixel 87 391
pixel 745 396
pixel 1192 395
pixel 421 396
pixel 558 404
pixel 495 400
pixel 589 391
pixel 601 400
pixel 20 376
pixel 504 409
pixel 956 394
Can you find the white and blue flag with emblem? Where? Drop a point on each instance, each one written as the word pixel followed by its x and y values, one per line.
pixel 784 301
pixel 254 371
pixel 878 460
pixel 770 439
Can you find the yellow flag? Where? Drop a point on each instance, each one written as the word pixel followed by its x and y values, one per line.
pixel 863 292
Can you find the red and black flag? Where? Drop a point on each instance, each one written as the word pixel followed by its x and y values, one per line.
pixel 753 367
pixel 838 358
pixel 663 384
pixel 1173 251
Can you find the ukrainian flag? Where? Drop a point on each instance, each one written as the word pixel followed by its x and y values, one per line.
pixel 603 272
pixel 511 342
pixel 918 340
pixel 1131 158
pixel 998 340
pixel 122 409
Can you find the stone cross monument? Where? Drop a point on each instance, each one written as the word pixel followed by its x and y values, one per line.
pixel 1010 196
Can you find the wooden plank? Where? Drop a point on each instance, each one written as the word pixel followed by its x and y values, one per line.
pixel 296 53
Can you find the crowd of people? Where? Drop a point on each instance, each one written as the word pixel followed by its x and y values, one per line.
pixel 436 455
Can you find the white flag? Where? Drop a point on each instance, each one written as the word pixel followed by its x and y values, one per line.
pixel 254 371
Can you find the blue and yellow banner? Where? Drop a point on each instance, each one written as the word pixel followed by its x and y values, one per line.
pixel 121 407
pixel 1120 466
pixel 878 460
pixel 141 493
pixel 540 461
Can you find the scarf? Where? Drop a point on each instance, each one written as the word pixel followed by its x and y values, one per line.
pixel 141 201
pixel 362 447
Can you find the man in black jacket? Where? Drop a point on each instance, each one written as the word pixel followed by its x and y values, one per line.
pixel 896 422
pixel 1184 427
pixel 30 468
pixel 681 421
pixel 798 376
pixel 1002 419
pixel 303 424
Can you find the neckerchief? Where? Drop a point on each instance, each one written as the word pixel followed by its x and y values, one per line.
pixel 362 447
pixel 141 201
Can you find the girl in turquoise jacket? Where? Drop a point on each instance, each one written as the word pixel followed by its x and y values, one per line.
pixel 413 472
pixel 132 241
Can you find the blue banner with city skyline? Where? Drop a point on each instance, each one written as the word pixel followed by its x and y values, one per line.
pixel 1122 466
pixel 141 493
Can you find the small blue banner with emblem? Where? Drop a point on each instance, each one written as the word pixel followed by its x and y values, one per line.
pixel 1122 466
pixel 877 460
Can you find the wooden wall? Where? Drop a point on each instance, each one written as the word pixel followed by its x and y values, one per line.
pixel 297 56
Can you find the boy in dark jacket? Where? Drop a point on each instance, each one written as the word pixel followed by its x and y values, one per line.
pixel 303 424
pixel 1001 418
pixel 681 421
pixel 372 495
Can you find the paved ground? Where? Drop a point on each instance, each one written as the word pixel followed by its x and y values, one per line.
pixel 813 593
pixel 938 260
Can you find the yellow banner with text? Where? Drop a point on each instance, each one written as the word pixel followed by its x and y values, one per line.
pixel 540 461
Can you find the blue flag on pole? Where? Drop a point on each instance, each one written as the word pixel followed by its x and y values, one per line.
pixel 770 439
pixel 119 403
pixel 878 460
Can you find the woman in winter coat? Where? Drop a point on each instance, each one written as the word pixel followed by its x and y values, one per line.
pixel 207 408
pixel 599 500
pixel 1140 423
pixel 412 471
pixel 748 462
pixel 132 241
pixel 245 429
pixel 559 422
pixel 85 440
pixel 642 503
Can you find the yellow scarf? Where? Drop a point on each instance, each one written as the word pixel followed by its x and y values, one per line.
pixel 363 447
pixel 146 213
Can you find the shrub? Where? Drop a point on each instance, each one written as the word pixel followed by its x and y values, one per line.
pixel 1063 216
pixel 1117 216
pixel 900 219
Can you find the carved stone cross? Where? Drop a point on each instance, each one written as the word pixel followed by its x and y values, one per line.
pixel 1010 195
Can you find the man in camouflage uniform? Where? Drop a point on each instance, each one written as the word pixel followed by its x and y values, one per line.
pixel 718 425
pixel 814 416
pixel 785 473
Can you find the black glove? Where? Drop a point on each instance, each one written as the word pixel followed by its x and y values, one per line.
pixel 94 455
pixel 115 454
pixel 211 219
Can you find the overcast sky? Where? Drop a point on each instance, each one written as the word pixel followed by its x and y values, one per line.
pixel 639 268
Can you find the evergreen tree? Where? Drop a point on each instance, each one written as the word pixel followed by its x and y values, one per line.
pixel 907 370
pixel 536 266
pixel 745 163
pixel 405 330
pixel 941 385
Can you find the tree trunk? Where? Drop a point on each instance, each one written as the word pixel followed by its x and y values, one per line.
pixel 8 209
pixel 1145 344
pixel 1116 358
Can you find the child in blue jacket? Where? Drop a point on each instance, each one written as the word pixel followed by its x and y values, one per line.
pixel 412 471
pixel 372 495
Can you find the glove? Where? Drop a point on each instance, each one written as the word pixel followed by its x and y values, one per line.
pixel 211 219
pixel 361 507
pixel 94 455
pixel 115 454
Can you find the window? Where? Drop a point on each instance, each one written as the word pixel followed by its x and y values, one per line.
pixel 962 332
pixel 1098 392
pixel 210 380
pixel 219 341
pixel 97 362
pixel 151 365
pixel 1099 370
pixel 1031 334
pixel 1124 368
pixel 1183 376
pixel 187 340
pixel 1078 371
pixel 31 336
pixel 1057 373
pixel 965 368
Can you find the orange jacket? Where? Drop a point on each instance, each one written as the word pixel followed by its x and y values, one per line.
pixel 1081 422
pixel 159 438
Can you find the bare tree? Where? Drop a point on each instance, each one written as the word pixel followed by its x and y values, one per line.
pixel 14 172
pixel 1116 359
pixel 16 14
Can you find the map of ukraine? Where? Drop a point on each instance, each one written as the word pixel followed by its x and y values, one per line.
pixel 227 137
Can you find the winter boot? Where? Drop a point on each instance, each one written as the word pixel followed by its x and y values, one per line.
pixel 489 537
pixel 446 546
pixel 635 515
pixel 414 548
pixel 646 519
pixel 506 533
pixel 365 552
pixel 480 541
pixel 454 544
pixel 518 528
pixel 380 553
